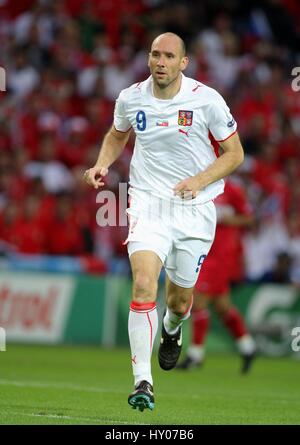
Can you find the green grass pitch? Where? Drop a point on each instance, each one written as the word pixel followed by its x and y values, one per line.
pixel 42 385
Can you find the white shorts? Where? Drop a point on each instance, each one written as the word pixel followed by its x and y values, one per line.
pixel 181 235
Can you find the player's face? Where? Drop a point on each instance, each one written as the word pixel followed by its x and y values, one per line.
pixel 166 60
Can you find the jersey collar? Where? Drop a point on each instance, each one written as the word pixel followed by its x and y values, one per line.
pixel 147 94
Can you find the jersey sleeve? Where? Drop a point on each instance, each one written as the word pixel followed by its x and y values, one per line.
pixel 121 122
pixel 221 123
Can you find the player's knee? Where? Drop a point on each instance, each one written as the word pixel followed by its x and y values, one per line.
pixel 144 287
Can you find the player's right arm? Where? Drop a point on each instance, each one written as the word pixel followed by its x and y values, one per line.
pixel 112 146
pixel 113 143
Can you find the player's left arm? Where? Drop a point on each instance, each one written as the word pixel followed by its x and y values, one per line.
pixel 224 165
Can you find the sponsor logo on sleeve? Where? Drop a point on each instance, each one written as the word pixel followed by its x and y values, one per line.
pixel 231 123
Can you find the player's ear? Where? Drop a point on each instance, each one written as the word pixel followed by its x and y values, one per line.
pixel 184 63
pixel 149 55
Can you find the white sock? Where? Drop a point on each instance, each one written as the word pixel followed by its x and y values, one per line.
pixel 196 352
pixel 142 329
pixel 246 344
pixel 172 322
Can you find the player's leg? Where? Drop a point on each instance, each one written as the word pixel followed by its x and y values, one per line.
pixel 148 245
pixel 193 232
pixel 234 322
pixel 142 324
pixel 212 281
pixel 199 328
pixel 179 301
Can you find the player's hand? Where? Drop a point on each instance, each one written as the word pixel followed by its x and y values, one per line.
pixel 93 176
pixel 188 188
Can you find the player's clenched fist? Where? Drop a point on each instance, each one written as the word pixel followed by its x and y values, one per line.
pixel 93 176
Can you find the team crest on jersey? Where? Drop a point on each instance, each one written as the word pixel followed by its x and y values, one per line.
pixel 185 118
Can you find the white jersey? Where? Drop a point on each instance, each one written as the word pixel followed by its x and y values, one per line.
pixel 173 136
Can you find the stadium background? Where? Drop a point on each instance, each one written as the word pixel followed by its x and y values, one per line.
pixel 63 278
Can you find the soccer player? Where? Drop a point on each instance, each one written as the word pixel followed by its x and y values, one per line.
pixel 174 177
pixel 222 267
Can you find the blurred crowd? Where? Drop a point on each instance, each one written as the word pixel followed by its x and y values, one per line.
pixel 66 62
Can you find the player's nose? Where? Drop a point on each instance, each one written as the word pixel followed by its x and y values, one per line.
pixel 161 62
